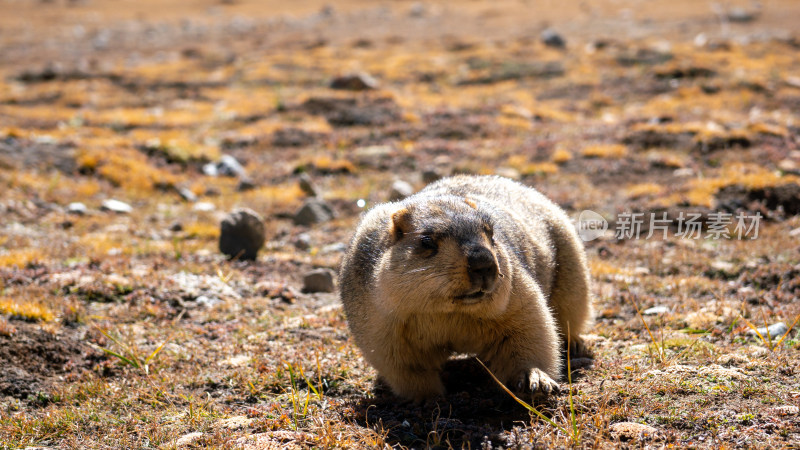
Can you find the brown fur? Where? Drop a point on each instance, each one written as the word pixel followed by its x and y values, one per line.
pixel 478 265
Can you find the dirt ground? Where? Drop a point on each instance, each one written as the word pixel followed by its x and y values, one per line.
pixel 131 329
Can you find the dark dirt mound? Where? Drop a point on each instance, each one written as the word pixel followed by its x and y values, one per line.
pixel 783 198
pixel 32 358
pixel 475 411
pixel 342 112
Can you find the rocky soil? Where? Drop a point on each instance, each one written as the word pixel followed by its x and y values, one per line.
pixel 136 137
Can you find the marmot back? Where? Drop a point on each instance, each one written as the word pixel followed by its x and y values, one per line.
pixel 470 264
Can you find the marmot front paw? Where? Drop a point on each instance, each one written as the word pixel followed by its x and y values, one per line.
pixel 538 383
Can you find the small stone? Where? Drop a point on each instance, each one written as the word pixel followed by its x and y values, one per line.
pixel 722 266
pixel 318 280
pixel 701 320
pixel 400 190
pixel 208 302
pixel 307 185
pixel 227 166
pixel 717 371
pixel 77 208
pixel 551 38
pixel 245 184
pixel 204 207
pixel 430 175
pixel 116 206
pixel 746 290
pixel 655 310
pixel 786 410
pixel 312 212
pixel 508 172
pixel 176 227
pixel 373 155
pixel 631 430
pixel 682 173
pixel 242 234
pixel 236 361
pixel 187 194
pixel 354 82
pixel 302 241
pixel 776 330
pixel 640 270
pixel 189 440
pixel 789 166
pixel 233 423
pixel 741 15
pixel 417 9
pixel 338 247
pixel 795 232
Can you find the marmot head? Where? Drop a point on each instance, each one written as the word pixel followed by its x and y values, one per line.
pixel 442 255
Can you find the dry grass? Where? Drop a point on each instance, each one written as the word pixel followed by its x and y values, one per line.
pixel 612 151
pixel 131 331
pixel 26 310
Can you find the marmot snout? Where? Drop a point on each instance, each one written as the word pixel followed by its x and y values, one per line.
pixel 478 265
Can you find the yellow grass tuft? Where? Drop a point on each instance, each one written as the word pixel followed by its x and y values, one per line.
pixel 31 311
pixel 524 167
pixel 515 123
pixel 561 156
pixel 667 158
pixel 702 191
pixel 21 258
pixel 768 129
pixel 6 329
pixel 643 190
pixel 327 164
pixel 202 231
pixel 612 151
pixel 601 269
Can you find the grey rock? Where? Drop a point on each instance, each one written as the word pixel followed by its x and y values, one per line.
pixel 775 330
pixel 77 208
pixel 508 172
pixel 338 247
pixel 242 234
pixel 375 156
pixel 210 169
pixel 417 9
pixel 655 310
pixel 354 82
pixel 741 15
pixel 318 280
pixel 631 430
pixel 207 301
pixel 313 211
pixel 204 207
pixel 189 440
pixel 430 175
pixel 245 184
pixel 551 38
pixel 227 166
pixel 187 194
pixel 400 190
pixel 302 241
pixel 307 185
pixel 116 206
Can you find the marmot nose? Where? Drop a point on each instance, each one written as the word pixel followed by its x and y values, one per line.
pixel 481 267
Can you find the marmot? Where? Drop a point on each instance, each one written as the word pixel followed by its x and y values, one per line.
pixel 471 264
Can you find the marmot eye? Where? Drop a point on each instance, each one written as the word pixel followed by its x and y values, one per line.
pixel 427 242
pixel 489 231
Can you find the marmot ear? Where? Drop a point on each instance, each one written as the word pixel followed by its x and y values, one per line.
pixel 401 224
